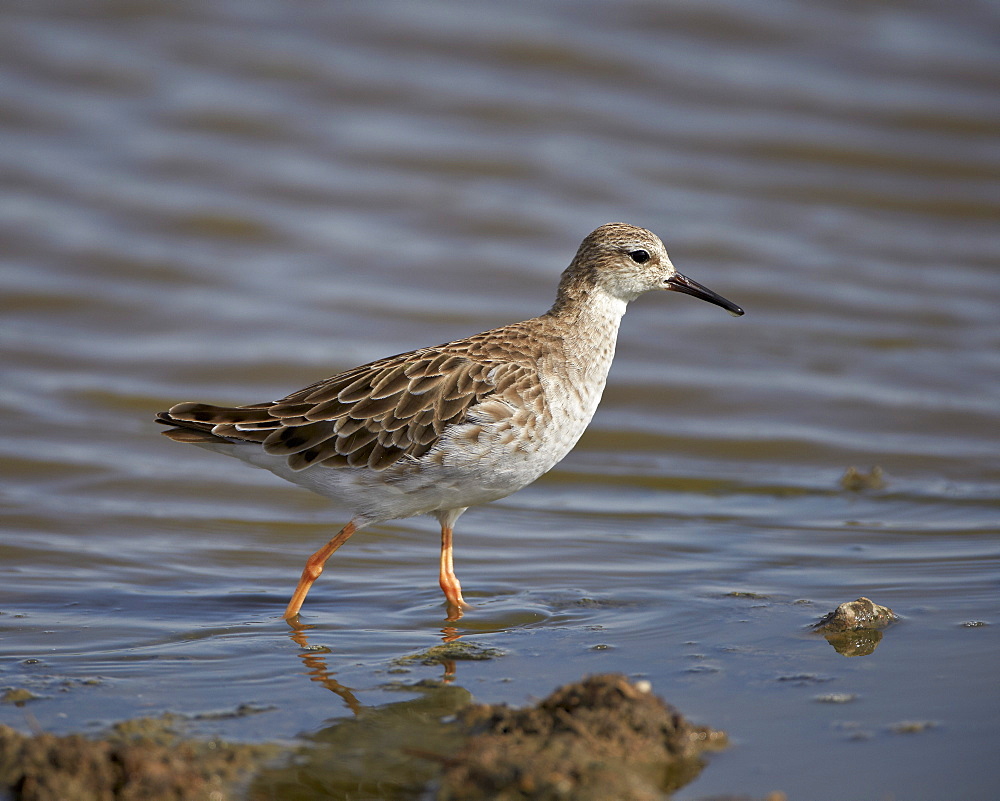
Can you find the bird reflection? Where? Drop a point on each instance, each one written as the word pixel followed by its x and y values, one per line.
pixel 314 657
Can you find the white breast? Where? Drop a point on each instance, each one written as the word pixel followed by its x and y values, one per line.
pixel 506 445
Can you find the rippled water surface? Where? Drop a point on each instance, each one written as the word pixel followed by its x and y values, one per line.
pixel 225 201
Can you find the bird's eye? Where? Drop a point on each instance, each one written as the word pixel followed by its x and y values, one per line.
pixel 639 256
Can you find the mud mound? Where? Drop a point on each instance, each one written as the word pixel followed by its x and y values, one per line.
pixel 600 738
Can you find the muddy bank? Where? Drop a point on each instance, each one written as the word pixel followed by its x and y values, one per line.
pixel 603 737
pixel 140 760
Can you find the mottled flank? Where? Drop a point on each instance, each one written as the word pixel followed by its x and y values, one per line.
pixel 372 416
pixel 439 429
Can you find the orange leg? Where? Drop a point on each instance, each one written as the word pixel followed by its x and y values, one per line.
pixel 448 579
pixel 314 566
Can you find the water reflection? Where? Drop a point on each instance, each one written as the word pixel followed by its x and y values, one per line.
pixel 855 643
pixel 223 199
pixel 386 751
pixel 482 751
pixel 390 751
pixel 314 659
pixel 446 655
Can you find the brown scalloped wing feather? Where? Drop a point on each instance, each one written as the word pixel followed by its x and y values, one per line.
pixel 371 416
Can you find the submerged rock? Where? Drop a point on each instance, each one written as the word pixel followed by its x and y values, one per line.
pixel 854 628
pixel 17 696
pixel 449 652
pixel 600 738
pixel 863 613
pixel 855 480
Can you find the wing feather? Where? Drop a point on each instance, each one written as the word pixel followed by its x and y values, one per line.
pixel 371 416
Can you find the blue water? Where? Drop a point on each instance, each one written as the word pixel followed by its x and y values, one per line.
pixel 227 201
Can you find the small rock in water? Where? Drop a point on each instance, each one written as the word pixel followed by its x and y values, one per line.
pixel 855 481
pixel 853 628
pixel 17 696
pixel 912 726
pixel 836 698
pixel 855 615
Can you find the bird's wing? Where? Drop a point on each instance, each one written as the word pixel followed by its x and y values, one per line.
pixel 371 416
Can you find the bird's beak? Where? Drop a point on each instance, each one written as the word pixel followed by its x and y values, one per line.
pixel 681 283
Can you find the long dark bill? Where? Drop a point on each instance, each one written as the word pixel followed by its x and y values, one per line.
pixel 681 283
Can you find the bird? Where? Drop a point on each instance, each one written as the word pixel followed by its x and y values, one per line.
pixel 439 429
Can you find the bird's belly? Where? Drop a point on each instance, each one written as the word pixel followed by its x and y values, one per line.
pixel 409 487
pixel 473 463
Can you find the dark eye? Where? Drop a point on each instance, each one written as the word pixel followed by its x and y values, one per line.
pixel 639 256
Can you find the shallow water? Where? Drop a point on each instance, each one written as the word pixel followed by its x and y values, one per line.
pixel 225 201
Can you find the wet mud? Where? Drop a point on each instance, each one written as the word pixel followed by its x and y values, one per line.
pixel 140 760
pixel 603 737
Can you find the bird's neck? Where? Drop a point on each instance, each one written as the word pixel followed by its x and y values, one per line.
pixel 590 318
pixel 589 308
